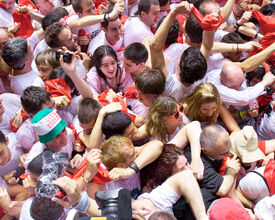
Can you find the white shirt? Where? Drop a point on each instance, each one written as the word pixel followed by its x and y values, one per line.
pixel 135 31
pixel 6 18
pixel 42 45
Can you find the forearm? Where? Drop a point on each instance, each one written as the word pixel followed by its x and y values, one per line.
pixel 207 43
pixel 36 16
pixel 228 120
pixel 220 47
pixel 227 9
pixel 93 209
pixel 250 32
pixel 193 131
pixel 86 21
pixel 228 182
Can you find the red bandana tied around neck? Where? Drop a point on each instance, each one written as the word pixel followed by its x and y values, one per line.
pixel 266 23
pixel 208 23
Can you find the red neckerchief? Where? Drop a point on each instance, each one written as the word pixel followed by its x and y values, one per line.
pixel 267 23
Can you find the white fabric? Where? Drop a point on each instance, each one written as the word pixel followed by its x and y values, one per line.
pixel 138 108
pixel 135 31
pixel 163 197
pixel 253 186
pixel 33 40
pixel 231 19
pixel 215 61
pixel 100 40
pixel 11 103
pixel 231 96
pixel 38 148
pixel 76 125
pixel 176 89
pixel 14 160
pixel 21 82
pixel 6 18
pixel 42 45
pixel 265 209
pixel 219 35
pixel 38 82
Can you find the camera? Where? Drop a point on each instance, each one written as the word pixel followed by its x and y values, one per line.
pixel 67 57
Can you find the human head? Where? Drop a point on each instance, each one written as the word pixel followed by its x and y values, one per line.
pixel 268 10
pixel 148 11
pixel 118 123
pixel 149 84
pixel 255 76
pixel 173 33
pixel 193 31
pixel 8 5
pixel 50 129
pixel 50 19
pixel 192 66
pixel 134 59
pixel 204 93
pixel 215 142
pixel 164 5
pixel 161 215
pixel 5 153
pixel 35 167
pixel 35 99
pixel 170 162
pixel 16 53
pixel 238 11
pixel 5 35
pixel 208 6
pixel 44 208
pixel 46 62
pixel 117 151
pixel 232 76
pixel 157 124
pixel 45 6
pixel 61 11
pixel 84 7
pixel 106 62
pixel 235 39
pixel 87 113
pixel 112 27
pixel 57 35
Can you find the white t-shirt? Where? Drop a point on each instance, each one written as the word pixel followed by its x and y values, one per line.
pixel 138 108
pixel 42 45
pixel 6 18
pixel 14 160
pixel 135 31
pixel 100 40
pixel 215 61
pixel 265 209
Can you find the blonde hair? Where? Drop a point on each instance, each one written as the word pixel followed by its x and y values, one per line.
pixel 204 93
pixel 47 56
pixel 161 108
pixel 112 151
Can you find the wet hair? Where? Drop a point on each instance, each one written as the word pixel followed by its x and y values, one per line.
pixel 115 123
pixel 35 166
pixel 173 33
pixel 50 19
pixel 136 52
pixel 193 29
pixel 88 110
pixel 33 98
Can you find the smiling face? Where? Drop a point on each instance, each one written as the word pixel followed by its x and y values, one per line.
pixel 113 31
pixel 59 141
pixel 109 67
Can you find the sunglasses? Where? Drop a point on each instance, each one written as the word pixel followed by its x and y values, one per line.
pixel 176 115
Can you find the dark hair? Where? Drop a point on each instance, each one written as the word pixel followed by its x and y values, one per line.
pixel 151 81
pixel 61 11
pixel 2 137
pixel 136 52
pixel 193 65
pixel 99 54
pixel 58 72
pixel 173 31
pixel 33 98
pixel 77 5
pixel 193 29
pixel 232 38
pixel 51 35
pixel 44 209
pixel 88 109
pixel 115 123
pixel 259 73
pixel 145 5
pixel 50 19
pixel 161 215
pixel 268 9
pixel 196 3
pixel 164 166
pixel 35 166
pixel 14 52
pixel 105 23
pixel 163 2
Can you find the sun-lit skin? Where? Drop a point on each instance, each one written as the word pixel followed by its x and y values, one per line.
pixel 109 67
pixel 151 18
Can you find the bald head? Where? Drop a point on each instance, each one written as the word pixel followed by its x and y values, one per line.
pixel 232 75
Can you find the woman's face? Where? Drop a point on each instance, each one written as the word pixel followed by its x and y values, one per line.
pixel 208 109
pixel 109 67
pixel 175 119
pixel 181 164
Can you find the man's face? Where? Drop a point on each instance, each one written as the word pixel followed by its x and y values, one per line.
pixel 130 154
pixel 130 131
pixel 113 31
pixel 151 18
pixel 45 6
pixel 87 9
pixel 5 154
pixel 8 5
pixel 88 127
pixel 68 39
pixel 132 68
pixel 145 99
pixel 234 83
pixel 59 141
pixel 209 7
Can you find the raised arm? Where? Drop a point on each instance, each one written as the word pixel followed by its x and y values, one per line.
pixel 227 9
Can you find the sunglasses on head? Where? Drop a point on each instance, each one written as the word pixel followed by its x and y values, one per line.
pixel 176 115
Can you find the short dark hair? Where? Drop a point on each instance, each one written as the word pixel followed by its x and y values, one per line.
pixel 51 35
pixel 193 65
pixel 232 37
pixel 268 9
pixel 14 52
pixel 115 123
pixel 50 19
pixel 161 215
pixel 136 52
pixel 151 81
pixel 163 2
pixel 144 5
pixel 33 98
pixel 173 33
pixel 35 166
pixel 259 73
pixel 2 137
pixel 88 110
pixel 44 208
pixel 105 23
pixel 193 29
pixel 61 11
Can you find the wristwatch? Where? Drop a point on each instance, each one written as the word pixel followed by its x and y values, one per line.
pixel 134 166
